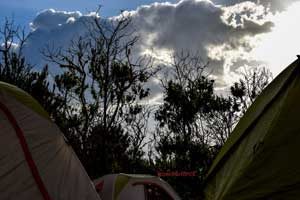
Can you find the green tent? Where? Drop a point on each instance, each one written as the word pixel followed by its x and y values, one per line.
pixel 261 159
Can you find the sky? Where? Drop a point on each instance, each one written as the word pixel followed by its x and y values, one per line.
pixel 230 34
pixel 25 11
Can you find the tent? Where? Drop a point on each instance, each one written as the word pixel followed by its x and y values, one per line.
pixel 138 187
pixel 260 160
pixel 35 161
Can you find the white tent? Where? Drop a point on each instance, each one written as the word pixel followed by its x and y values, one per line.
pixel 138 187
pixel 35 161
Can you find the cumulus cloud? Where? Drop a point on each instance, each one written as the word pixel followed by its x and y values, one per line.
pixel 221 34
pixel 195 24
pixel 50 19
pixel 274 5
pixel 54 28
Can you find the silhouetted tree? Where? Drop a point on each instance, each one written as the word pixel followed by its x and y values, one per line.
pixel 14 68
pixel 222 120
pixel 182 139
pixel 250 85
pixel 194 122
pixel 102 84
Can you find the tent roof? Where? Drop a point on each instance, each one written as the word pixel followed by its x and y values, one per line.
pixel 112 185
pixel 137 175
pixel 259 161
pixel 24 98
pixel 253 114
pixel 33 151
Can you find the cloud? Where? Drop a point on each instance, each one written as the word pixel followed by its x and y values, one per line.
pixel 194 24
pixel 49 19
pixel 274 5
pixel 221 34
pixel 280 47
pixel 202 27
pixel 54 28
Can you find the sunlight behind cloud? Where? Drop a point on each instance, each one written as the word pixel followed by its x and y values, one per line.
pixel 280 47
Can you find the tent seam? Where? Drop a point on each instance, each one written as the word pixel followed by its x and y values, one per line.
pixel 28 157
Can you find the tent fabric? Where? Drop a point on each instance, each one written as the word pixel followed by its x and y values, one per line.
pixel 130 186
pixel 120 183
pixel 259 160
pixel 35 161
pixel 27 154
pixel 24 98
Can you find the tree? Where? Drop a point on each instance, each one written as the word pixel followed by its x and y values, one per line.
pixel 182 139
pixel 102 84
pixel 222 120
pixel 14 68
pixel 250 85
pixel 139 129
pixel 194 122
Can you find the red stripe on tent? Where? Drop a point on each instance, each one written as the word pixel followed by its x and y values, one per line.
pixel 152 183
pixel 27 154
pixel 99 186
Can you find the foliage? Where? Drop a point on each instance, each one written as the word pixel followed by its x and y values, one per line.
pixel 102 84
pixel 250 85
pixel 194 122
pixel 15 70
